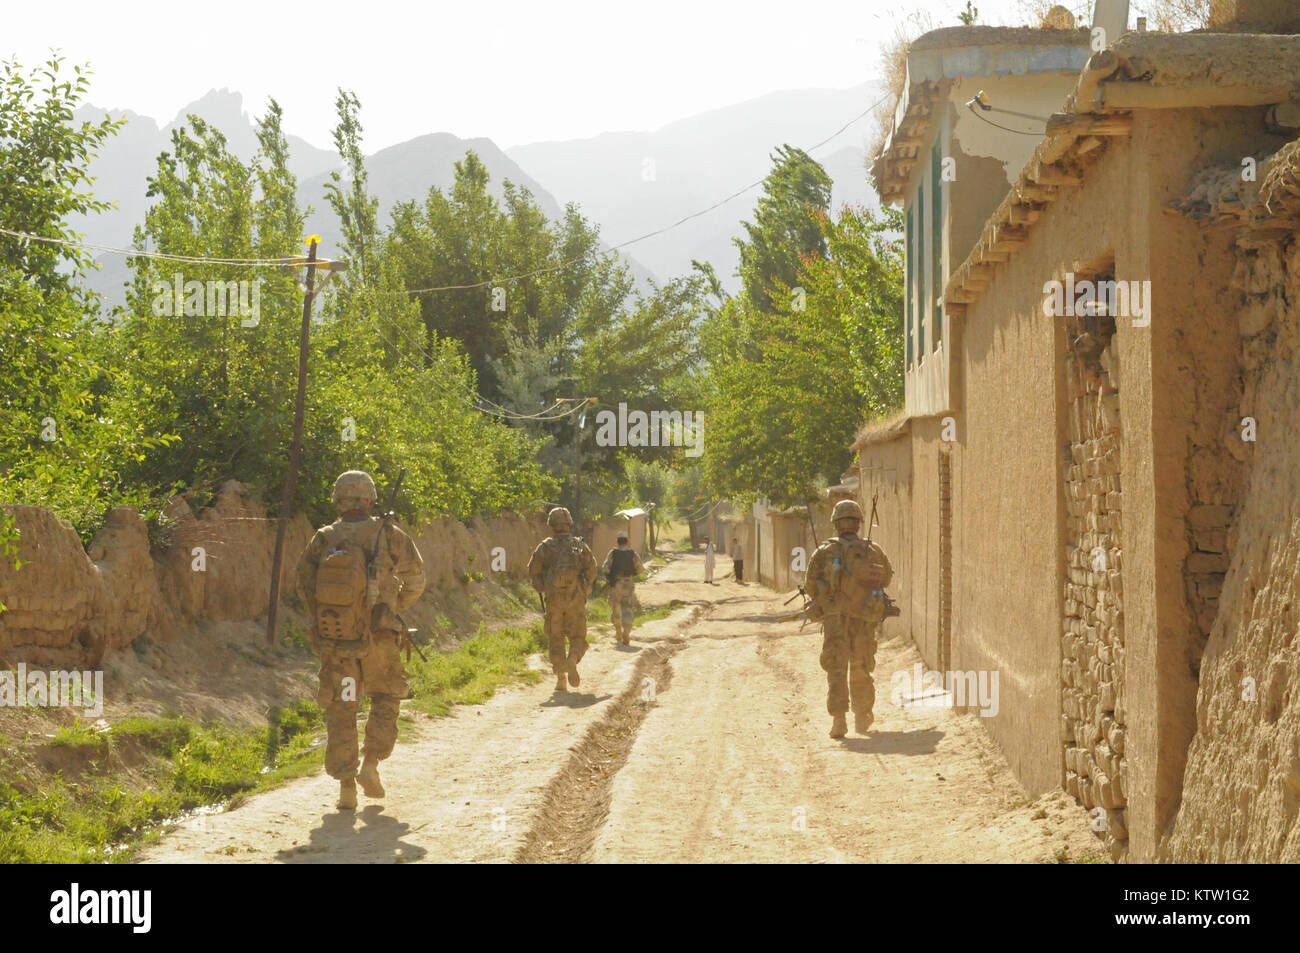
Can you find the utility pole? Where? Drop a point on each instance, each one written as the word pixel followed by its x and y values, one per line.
pixel 578 421
pixel 295 449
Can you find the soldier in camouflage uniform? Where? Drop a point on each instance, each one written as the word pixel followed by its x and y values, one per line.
pixel 562 569
pixel 846 580
pixel 358 642
pixel 622 565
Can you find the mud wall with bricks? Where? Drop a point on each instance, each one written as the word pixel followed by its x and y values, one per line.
pixel 69 606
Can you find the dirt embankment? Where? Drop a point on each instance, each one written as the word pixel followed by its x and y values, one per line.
pixel 705 740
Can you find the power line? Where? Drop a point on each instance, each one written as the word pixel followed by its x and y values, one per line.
pixel 659 231
pixel 1019 132
pixel 496 409
pixel 277 262
pixel 160 256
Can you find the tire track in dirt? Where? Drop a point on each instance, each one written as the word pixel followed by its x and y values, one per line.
pixel 576 802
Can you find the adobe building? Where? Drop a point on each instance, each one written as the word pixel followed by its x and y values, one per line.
pixel 1101 501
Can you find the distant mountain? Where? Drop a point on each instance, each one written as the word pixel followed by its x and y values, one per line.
pixel 408 170
pixel 398 173
pixel 627 183
pixel 127 160
pixel 635 182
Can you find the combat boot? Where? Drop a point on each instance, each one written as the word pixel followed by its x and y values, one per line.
pixel 347 795
pixel 839 726
pixel 369 778
pixel 574 680
pixel 862 722
pixel 560 686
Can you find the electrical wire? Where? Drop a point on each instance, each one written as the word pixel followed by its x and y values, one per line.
pixel 279 263
pixel 659 231
pixel 1020 132
pixel 495 409
pixel 159 256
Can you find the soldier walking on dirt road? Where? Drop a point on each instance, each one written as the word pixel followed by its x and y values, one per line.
pixel 355 576
pixel 846 580
pixel 562 569
pixel 621 567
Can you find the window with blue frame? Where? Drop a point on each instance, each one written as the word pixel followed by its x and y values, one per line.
pixel 909 253
pixel 936 239
pixel 922 276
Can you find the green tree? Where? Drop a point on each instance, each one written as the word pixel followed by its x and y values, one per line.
pixel 790 380
pixel 650 484
pixel 785 228
pixel 357 210
pixel 59 446
pixel 44 169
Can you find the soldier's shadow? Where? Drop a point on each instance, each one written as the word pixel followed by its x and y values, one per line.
pixel 573 700
pixel 923 741
pixel 338 839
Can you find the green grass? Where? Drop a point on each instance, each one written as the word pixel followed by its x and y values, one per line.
pixel 176 764
pixel 81 736
pixel 181 765
pixel 474 671
pixel 598 611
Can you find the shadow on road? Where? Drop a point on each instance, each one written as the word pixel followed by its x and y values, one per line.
pixel 339 840
pixel 573 700
pixel 923 741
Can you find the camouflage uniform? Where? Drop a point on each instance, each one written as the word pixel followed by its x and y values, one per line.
pixel 846 579
pixel 379 674
pixel 566 606
pixel 622 594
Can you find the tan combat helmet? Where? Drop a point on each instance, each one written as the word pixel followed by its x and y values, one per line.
pixel 355 485
pixel 559 517
pixel 846 510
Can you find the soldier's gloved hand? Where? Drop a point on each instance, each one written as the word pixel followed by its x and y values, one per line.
pixel 372 593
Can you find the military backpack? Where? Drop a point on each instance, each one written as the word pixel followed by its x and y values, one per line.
pixel 342 619
pixel 564 572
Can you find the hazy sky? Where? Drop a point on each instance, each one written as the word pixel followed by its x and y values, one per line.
pixel 512 71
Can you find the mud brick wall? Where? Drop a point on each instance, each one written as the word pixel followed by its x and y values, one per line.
pixel 1092 642
pixel 68 607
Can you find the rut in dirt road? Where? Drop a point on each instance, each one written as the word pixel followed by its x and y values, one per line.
pixel 576 801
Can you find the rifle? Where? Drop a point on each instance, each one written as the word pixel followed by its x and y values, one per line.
pixel 372 560
pixel 802 612
pixel 372 570
pixel 409 643
pixel 891 607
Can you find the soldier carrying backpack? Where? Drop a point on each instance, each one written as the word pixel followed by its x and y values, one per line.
pixel 355 576
pixel 846 579
pixel 562 569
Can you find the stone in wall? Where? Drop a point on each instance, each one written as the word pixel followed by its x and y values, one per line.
pixel 1092 641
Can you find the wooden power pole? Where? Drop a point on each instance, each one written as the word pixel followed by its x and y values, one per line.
pixel 295 450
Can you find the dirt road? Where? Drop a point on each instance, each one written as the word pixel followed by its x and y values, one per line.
pixel 706 740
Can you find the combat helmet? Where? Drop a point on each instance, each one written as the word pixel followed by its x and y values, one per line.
pixel 353 485
pixel 846 510
pixel 559 517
